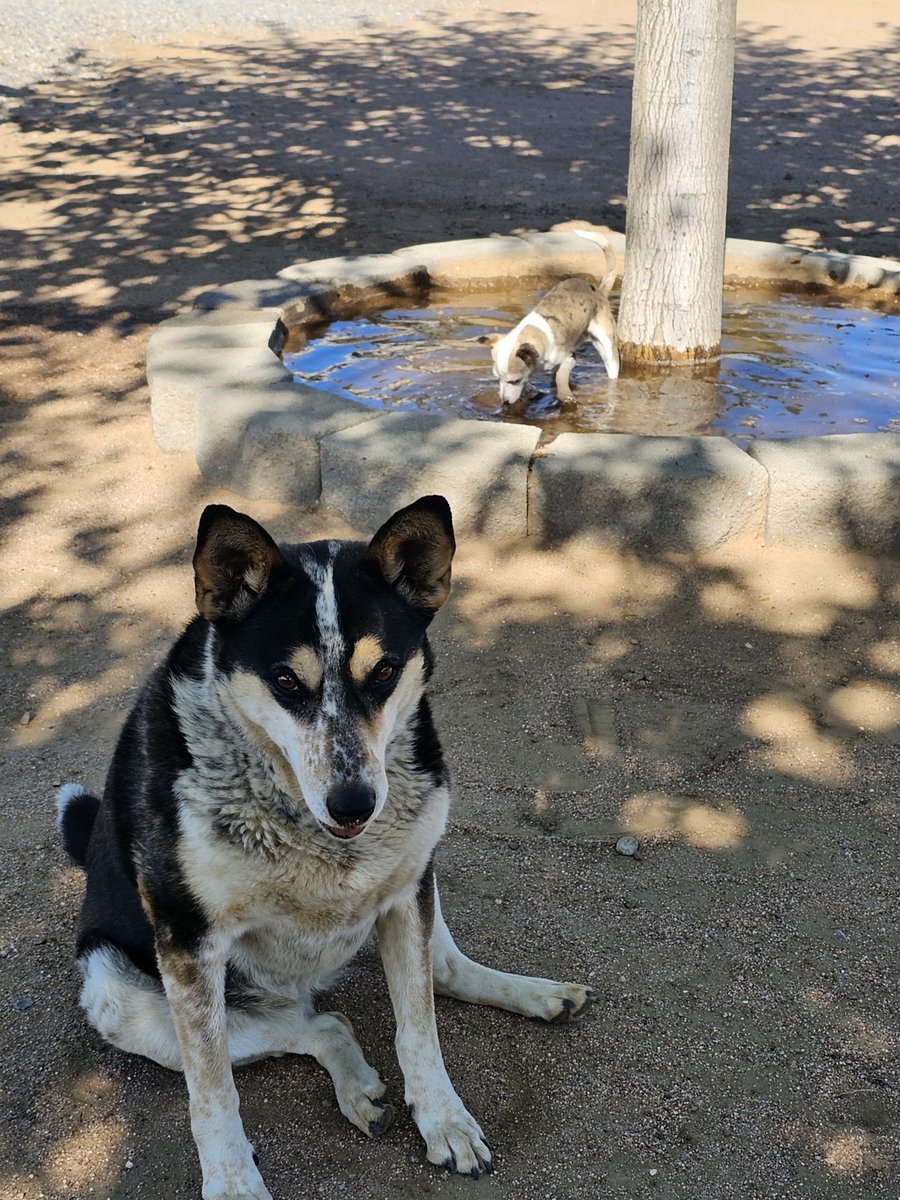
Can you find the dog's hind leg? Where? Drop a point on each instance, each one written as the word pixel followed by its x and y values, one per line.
pixel 129 1011
pixel 329 1038
pixel 458 976
pixel 602 332
pixel 293 1027
pixel 135 1016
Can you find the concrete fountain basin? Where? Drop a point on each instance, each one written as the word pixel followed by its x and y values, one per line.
pixel 220 391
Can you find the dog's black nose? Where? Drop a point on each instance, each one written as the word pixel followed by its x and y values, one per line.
pixel 351 803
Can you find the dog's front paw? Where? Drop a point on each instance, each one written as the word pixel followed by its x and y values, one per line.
pixel 225 1180
pixel 359 1090
pixel 454 1140
pixel 236 1189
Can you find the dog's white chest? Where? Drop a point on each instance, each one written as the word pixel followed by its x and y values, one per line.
pixel 302 910
pixel 294 919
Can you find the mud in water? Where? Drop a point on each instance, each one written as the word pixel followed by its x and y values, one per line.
pixel 793 364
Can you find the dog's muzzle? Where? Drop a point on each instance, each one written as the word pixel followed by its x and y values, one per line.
pixel 511 392
pixel 350 805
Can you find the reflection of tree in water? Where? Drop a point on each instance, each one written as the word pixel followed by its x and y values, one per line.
pixel 683 403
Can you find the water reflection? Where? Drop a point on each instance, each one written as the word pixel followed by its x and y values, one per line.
pixel 792 364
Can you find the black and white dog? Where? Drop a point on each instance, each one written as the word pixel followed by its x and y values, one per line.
pixel 277 794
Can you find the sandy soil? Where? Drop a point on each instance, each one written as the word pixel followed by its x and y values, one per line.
pixel 738 712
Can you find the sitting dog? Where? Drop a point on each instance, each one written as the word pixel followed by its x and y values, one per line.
pixel 547 336
pixel 277 793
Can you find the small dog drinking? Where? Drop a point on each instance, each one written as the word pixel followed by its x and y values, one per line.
pixel 547 336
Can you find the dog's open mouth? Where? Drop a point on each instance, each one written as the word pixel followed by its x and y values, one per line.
pixel 345 831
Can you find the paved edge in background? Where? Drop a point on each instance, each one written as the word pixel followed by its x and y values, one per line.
pixel 47 39
pixel 219 390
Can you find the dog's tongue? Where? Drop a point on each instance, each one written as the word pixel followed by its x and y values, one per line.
pixel 346 831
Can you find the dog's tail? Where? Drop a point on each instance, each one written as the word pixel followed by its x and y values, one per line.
pixel 609 276
pixel 76 812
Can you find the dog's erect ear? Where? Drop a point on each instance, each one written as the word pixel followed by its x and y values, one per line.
pixel 413 550
pixel 527 353
pixel 232 563
pixel 490 339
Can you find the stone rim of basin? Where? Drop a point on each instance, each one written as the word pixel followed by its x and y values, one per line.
pixel 219 391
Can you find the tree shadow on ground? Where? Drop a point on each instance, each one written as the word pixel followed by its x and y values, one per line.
pixel 123 183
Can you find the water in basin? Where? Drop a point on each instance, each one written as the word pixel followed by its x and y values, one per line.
pixel 793 364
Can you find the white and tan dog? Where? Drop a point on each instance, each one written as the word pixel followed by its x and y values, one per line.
pixel 547 336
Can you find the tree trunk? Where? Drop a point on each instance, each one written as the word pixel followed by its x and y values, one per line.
pixel 671 307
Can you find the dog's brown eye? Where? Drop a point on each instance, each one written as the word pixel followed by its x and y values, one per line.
pixel 287 681
pixel 383 673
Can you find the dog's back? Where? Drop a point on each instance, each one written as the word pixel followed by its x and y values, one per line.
pixel 568 309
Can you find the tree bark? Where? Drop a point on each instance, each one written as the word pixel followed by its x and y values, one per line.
pixel 671 306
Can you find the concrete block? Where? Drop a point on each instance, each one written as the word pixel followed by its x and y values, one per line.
pixel 751 261
pixel 264 442
pixel 842 490
pixel 471 260
pixel 370 470
pixel 331 301
pixel 461 249
pixel 853 271
pixel 446 264
pixel 249 293
pixel 629 490
pixel 241 321
pixel 181 377
pixel 187 357
pixel 548 256
pixel 359 270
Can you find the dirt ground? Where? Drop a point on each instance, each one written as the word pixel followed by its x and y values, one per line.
pixel 738 712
